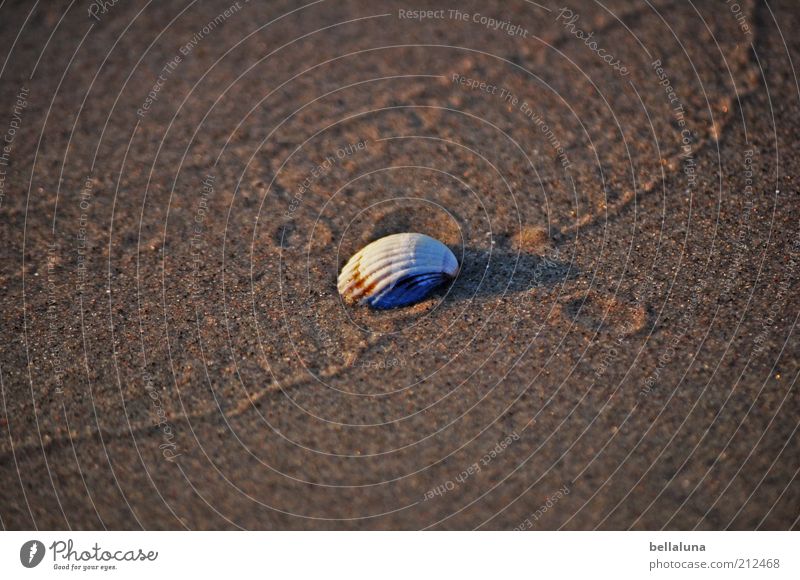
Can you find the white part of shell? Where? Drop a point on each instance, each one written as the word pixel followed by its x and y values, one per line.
pixel 396 271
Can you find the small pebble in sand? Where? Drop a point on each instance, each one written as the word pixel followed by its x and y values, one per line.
pixel 532 239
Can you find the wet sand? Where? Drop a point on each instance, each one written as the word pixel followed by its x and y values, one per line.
pixel 182 185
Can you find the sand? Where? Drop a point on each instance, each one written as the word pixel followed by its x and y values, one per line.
pixel 182 185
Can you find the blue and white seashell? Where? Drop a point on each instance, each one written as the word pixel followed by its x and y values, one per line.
pixel 397 270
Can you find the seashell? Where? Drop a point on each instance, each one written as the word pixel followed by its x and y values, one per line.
pixel 397 270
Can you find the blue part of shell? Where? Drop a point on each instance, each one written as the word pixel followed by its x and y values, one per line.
pixel 408 290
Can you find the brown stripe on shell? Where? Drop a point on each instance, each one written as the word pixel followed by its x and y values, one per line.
pixel 359 286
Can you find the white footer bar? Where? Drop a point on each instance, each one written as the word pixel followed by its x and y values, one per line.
pixel 353 555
